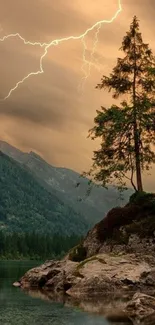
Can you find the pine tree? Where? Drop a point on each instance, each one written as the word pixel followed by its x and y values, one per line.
pixel 127 131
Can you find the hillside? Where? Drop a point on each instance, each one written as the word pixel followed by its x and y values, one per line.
pixel 62 182
pixel 27 206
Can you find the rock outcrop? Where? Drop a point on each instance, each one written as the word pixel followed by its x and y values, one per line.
pixel 141 309
pixel 95 276
pixel 117 256
pixel 54 275
pixel 130 229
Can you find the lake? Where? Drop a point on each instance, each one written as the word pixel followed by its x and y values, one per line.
pixel 19 308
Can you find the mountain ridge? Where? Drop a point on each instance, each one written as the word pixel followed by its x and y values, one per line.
pixel 62 181
pixel 26 206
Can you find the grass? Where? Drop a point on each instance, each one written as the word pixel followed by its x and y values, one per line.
pixel 87 260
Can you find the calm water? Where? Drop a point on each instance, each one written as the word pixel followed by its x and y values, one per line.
pixel 18 308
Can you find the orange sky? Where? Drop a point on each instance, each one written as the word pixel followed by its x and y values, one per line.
pixel 48 113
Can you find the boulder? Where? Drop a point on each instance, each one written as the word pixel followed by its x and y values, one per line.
pixel 141 309
pixel 97 275
pixel 104 273
pixel 52 275
pixel 16 284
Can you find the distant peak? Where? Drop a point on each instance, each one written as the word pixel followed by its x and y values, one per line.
pixel 4 143
pixel 32 153
pixel 8 146
pixel 36 156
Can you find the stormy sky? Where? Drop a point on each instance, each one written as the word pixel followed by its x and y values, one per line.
pixel 51 113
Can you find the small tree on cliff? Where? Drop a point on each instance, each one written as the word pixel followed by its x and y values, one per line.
pixel 127 131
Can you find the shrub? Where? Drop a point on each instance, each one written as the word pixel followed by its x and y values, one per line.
pixel 142 198
pixel 78 253
pixel 143 228
pixel 138 214
pixel 116 218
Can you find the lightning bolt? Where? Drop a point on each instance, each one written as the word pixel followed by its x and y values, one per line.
pixel 94 46
pixel 86 67
pixel 56 42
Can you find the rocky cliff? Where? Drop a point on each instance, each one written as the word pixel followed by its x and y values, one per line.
pixel 117 257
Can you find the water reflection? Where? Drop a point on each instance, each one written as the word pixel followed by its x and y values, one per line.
pixel 111 309
pixel 18 308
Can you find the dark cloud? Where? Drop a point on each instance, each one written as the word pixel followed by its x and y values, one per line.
pixel 41 19
pixel 47 113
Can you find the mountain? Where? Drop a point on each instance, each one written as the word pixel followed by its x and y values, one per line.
pixel 26 206
pixel 62 182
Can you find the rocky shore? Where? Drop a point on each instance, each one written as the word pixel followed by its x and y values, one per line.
pixel 117 258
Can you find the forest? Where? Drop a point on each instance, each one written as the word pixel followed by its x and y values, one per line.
pixel 26 206
pixel 35 246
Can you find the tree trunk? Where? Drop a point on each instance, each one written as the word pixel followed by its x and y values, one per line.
pixel 137 158
pixel 136 131
pixel 139 178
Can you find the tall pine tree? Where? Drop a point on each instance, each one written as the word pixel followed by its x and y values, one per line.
pixel 127 131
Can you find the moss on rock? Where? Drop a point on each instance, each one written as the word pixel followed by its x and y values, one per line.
pixel 78 253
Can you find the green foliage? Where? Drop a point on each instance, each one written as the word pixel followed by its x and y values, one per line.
pixel 61 182
pixel 127 131
pixel 78 253
pixel 35 246
pixel 141 197
pixel 26 206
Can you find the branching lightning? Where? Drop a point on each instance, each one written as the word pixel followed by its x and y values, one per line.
pixel 86 67
pixel 97 26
